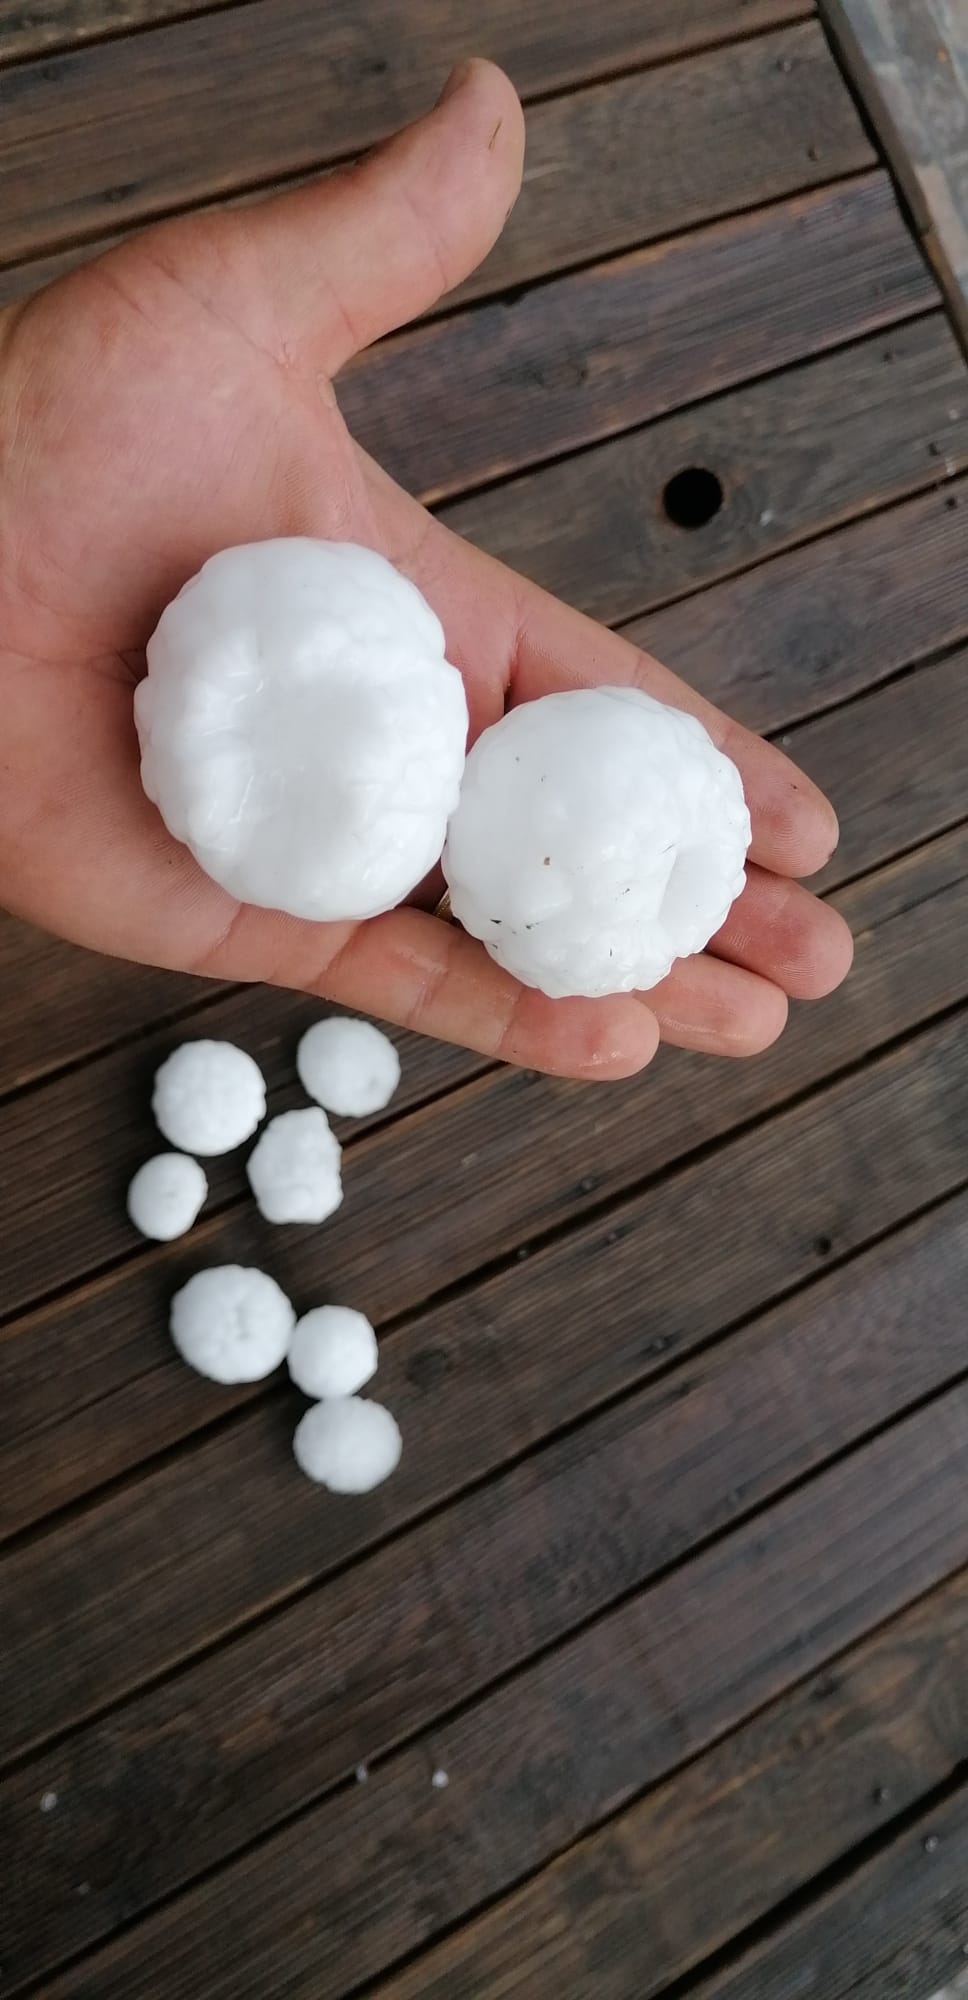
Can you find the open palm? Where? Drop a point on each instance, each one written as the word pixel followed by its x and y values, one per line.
pixel 175 397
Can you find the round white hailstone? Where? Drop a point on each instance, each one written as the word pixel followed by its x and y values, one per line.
pixel 350 1067
pixel 166 1195
pixel 333 1352
pixel 301 730
pixel 348 1445
pixel 600 836
pixel 294 1169
pixel 232 1324
pixel 209 1097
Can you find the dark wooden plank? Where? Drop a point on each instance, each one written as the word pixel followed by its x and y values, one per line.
pixel 911 783
pixel 59 1004
pixel 815 625
pixel 88 1385
pixel 40 27
pixel 895 1928
pixel 558 1540
pixel 910 66
pixel 232 1530
pixel 130 128
pixel 795 454
pixel 348 1887
pixel 65 1166
pixel 480 394
pixel 787 1795
pixel 571 46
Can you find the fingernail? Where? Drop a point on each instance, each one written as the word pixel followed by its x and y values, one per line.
pixel 458 75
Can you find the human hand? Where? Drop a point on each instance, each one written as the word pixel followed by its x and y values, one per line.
pixel 175 397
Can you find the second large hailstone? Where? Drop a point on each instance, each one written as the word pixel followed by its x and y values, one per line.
pixel 301 730
pixel 600 836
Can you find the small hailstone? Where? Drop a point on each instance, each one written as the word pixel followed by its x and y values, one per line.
pixel 333 1352
pixel 294 1168
pixel 232 1324
pixel 209 1097
pixel 440 1781
pixel 348 1444
pixel 301 730
pixel 349 1067
pixel 599 837
pixel 48 1801
pixel 166 1195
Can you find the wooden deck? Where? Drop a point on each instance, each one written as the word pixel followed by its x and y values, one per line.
pixel 673 1581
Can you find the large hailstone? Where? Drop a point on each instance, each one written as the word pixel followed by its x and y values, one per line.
pixel 232 1324
pixel 301 730
pixel 600 836
pixel 349 1445
pixel 294 1170
pixel 209 1097
pixel 349 1067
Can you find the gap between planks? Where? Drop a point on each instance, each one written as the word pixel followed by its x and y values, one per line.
pixel 802 130
pixel 669 1610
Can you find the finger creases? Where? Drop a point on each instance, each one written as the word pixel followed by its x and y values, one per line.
pixel 777 929
pixel 718 1009
pixel 429 976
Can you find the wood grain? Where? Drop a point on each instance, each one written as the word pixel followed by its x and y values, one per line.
pixel 127 129
pixel 908 782
pixel 675 1434
pixel 482 393
pixel 554 1543
pixel 88 1385
pixel 896 1926
pixel 816 625
pixel 785 1202
pixel 796 454
pixel 785 1796
pixel 61 1004
pixel 910 67
pixel 332 1898
pixel 547 51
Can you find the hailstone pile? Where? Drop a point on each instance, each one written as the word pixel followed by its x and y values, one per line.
pixel 233 1323
pixel 301 730
pixel 304 735
pixel 600 836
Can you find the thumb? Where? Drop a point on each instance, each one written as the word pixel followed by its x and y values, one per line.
pixel 350 257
